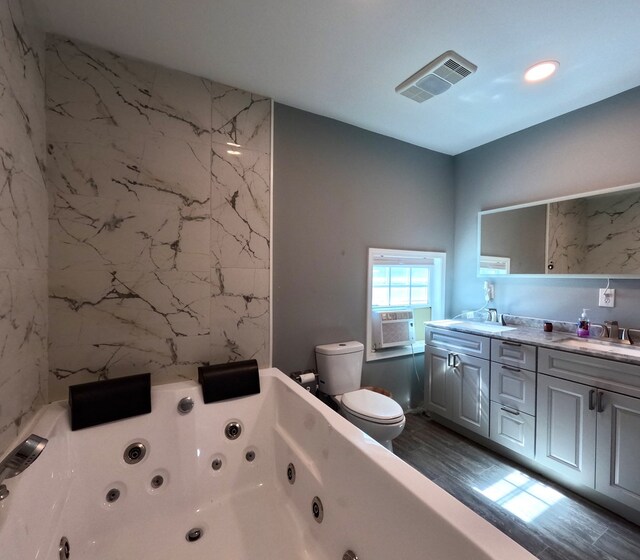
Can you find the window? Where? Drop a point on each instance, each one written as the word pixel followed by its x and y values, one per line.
pixel 398 285
pixel 405 280
pixel 491 266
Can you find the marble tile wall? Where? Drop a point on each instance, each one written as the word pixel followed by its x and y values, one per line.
pixel 23 220
pixel 159 185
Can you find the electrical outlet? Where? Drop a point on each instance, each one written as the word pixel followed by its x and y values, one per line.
pixel 607 298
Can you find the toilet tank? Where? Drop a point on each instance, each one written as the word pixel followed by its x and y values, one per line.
pixel 339 366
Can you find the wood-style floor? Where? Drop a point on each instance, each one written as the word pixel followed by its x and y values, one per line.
pixel 549 521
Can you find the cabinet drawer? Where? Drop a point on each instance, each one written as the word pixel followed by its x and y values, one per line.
pixel 598 372
pixel 514 354
pixel 458 342
pixel 512 429
pixel 514 387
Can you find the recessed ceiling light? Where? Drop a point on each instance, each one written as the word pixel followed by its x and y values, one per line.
pixel 541 70
pixel 234 145
pixel 234 152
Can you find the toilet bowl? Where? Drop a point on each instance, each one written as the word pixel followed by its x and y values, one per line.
pixel 378 416
pixel 339 375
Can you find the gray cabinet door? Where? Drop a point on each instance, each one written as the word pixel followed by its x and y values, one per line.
pixel 470 389
pixel 437 389
pixel 457 388
pixel 566 428
pixel 618 455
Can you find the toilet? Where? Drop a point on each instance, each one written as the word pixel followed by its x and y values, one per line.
pixel 339 373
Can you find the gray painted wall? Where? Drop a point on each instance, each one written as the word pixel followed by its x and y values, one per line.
pixel 338 190
pixel 589 149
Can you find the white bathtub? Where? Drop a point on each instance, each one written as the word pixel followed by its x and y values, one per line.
pixel 373 503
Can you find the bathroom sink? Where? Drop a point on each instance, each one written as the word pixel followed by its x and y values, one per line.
pixel 614 347
pixel 484 327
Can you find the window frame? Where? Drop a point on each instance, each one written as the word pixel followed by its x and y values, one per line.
pixel 494 266
pixel 436 296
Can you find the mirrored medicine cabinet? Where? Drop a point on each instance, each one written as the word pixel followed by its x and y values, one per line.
pixel 595 235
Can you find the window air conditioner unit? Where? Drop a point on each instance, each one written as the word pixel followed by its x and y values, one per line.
pixel 392 327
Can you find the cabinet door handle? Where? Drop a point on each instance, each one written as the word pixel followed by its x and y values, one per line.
pixel 600 404
pixel 510 368
pixel 450 359
pixel 510 411
pixel 507 343
pixel 456 360
pixel 592 393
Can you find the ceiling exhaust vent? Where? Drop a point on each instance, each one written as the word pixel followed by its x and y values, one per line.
pixel 436 77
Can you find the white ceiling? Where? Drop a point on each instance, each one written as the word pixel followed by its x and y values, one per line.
pixel 343 58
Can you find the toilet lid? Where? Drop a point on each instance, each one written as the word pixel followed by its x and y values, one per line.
pixel 370 405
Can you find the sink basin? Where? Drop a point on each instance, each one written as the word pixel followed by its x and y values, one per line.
pixel 597 341
pixel 484 327
pixel 617 348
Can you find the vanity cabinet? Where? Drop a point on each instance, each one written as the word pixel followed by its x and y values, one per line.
pixel 589 432
pixel 513 396
pixel 569 412
pixel 457 383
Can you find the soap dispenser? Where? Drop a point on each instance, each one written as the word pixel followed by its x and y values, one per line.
pixel 583 324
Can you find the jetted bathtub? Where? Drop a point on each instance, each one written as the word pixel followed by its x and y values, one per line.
pixel 297 482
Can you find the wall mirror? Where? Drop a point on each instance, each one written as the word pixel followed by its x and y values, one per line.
pixel 595 234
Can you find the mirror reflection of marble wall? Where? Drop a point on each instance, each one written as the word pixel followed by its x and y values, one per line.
pixel 567 236
pixel 588 235
pixel 595 235
pixel 614 234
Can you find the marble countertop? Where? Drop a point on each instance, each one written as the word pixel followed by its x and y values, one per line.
pixel 532 333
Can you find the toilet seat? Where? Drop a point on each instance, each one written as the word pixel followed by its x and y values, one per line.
pixel 372 407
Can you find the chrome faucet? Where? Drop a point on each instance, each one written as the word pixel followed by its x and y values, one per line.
pixel 612 330
pixel 20 459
